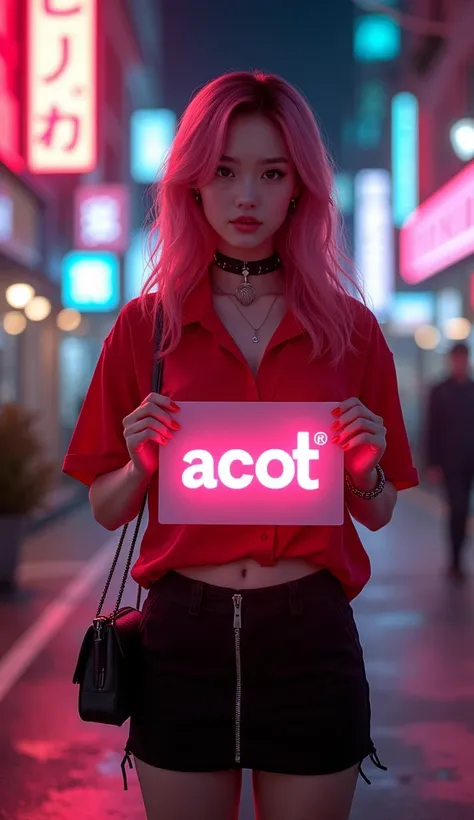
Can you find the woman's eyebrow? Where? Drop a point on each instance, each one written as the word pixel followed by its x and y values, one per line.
pixel 268 161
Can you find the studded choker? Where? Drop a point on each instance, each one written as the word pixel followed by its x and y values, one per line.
pixel 245 292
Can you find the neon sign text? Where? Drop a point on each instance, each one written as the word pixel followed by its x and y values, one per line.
pixel 439 232
pixel 203 474
pixel 61 109
pixel 252 462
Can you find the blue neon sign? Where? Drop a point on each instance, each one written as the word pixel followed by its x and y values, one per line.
pixel 377 38
pixel 90 282
pixel 152 133
pixel 405 191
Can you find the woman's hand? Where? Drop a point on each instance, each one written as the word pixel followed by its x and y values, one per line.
pixel 149 425
pixel 362 436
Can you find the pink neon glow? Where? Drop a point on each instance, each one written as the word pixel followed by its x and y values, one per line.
pixel 61 132
pixel 441 231
pixel 254 428
pixel 101 218
pixel 9 73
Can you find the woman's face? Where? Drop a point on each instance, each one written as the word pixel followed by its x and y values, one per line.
pixel 255 180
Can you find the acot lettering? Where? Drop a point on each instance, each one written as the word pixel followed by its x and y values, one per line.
pixel 202 473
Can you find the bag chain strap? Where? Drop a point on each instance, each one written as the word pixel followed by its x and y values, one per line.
pixel 157 377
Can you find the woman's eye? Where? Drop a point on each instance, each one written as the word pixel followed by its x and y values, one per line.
pixel 222 171
pixel 276 174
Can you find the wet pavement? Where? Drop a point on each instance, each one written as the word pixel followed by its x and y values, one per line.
pixel 417 631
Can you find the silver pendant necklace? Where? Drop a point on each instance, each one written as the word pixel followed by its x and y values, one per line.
pixel 256 330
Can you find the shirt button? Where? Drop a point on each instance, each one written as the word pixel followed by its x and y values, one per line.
pixel 264 537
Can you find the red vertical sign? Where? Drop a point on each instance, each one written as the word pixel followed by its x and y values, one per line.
pixel 62 86
pixel 9 73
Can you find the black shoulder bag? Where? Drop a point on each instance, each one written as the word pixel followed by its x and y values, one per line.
pixel 107 662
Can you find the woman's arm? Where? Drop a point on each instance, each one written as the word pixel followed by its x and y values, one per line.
pixel 377 512
pixel 116 498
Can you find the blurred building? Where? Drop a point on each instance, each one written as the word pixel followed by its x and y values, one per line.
pixel 436 242
pixel 71 75
pixel 409 154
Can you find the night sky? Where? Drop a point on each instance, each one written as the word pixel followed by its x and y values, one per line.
pixel 308 42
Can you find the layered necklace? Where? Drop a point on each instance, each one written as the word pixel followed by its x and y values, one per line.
pixel 245 292
pixel 256 330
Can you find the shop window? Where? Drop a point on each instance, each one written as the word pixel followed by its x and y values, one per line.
pixel 9 367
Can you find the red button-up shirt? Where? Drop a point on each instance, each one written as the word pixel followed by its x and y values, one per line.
pixel 207 365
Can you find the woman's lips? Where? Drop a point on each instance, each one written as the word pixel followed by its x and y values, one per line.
pixel 246 227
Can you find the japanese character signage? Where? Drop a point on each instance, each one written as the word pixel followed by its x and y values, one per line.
pixel 9 78
pixel 102 218
pixel 62 86
pixel 252 463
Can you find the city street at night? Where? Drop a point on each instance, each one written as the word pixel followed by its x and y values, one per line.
pixel 237 301
pixel 415 629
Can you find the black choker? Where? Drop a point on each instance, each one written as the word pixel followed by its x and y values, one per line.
pixel 245 293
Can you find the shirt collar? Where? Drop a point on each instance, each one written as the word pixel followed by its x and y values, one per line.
pixel 198 303
pixel 199 307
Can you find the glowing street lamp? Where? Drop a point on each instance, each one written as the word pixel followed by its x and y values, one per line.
pixel 38 309
pixel 14 323
pixel 462 138
pixel 427 337
pixel 19 295
pixel 457 329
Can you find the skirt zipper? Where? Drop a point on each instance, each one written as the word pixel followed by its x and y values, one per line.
pixel 237 600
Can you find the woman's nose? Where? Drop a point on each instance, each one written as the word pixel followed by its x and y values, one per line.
pixel 247 195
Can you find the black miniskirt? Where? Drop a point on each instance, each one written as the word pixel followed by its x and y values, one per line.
pixel 270 679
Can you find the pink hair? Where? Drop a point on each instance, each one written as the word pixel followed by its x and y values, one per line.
pixel 318 283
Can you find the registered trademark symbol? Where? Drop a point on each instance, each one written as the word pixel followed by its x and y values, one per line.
pixel 320 439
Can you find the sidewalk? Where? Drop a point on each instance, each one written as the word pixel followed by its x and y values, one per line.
pixel 64 498
pixel 417 632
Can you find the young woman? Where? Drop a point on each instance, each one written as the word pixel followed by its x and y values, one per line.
pixel 251 658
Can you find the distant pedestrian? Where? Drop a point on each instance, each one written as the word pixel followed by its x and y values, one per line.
pixel 450 449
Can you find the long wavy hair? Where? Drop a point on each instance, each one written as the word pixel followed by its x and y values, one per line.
pixel 320 285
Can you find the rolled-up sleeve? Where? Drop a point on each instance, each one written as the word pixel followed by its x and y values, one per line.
pixel 97 445
pixel 380 395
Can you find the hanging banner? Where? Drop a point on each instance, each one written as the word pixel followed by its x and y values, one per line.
pixel 62 86
pixel 373 237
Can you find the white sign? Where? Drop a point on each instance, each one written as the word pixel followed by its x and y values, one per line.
pixel 252 463
pixel 373 237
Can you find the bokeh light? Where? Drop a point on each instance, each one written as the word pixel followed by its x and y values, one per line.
pixel 457 329
pixel 19 294
pixel 38 309
pixel 427 337
pixel 14 323
pixel 68 319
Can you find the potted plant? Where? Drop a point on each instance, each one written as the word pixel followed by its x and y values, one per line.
pixel 25 481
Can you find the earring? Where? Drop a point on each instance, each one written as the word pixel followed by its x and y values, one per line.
pixel 197 196
pixel 292 207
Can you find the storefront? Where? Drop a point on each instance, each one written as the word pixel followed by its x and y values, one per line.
pixel 28 332
pixel 437 270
